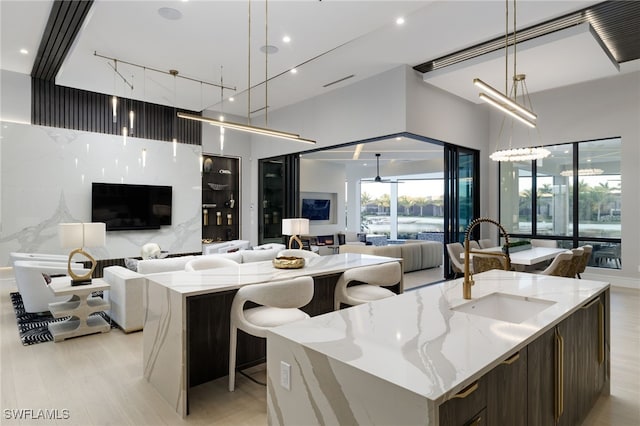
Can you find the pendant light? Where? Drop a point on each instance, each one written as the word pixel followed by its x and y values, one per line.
pixel 521 111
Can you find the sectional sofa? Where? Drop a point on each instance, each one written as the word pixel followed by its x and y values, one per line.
pixel 415 254
pixel 126 293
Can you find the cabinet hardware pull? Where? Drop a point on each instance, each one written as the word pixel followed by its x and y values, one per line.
pixel 559 369
pixel 600 333
pixel 590 304
pixel 476 421
pixel 467 391
pixel 513 358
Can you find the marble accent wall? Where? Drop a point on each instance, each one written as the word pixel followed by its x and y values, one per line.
pixel 46 175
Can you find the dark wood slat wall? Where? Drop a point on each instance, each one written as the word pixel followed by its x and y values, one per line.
pixel 65 21
pixel 69 108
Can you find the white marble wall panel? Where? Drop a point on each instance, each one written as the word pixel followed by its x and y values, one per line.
pixel 46 175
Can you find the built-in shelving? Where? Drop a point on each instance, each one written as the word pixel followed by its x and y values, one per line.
pixel 220 198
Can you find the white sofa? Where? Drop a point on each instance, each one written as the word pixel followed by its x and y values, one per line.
pixel 32 285
pixel 127 286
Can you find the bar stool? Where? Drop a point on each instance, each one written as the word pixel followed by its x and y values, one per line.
pixel 208 262
pixel 375 278
pixel 280 302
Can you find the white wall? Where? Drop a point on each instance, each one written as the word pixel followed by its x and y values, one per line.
pixel 46 179
pixel 320 176
pixel 15 97
pixel 598 109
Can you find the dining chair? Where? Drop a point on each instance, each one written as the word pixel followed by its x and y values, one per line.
pixel 608 253
pixel 208 262
pixel 279 304
pixel 584 261
pixel 372 281
pixel 485 262
pixel 455 250
pixel 474 245
pixel 560 266
pixel 576 260
pixel 486 243
pixel 307 254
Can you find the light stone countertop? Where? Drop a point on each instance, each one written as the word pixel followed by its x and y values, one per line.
pixel 228 278
pixel 417 342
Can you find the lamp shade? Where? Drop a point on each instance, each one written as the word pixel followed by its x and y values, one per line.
pixel 74 235
pixel 296 226
pixel 71 235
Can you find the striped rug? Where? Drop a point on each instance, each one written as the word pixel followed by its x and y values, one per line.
pixel 33 328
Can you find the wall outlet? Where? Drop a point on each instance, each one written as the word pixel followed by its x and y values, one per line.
pixel 285 375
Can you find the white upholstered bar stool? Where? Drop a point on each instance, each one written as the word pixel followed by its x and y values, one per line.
pixel 208 262
pixel 307 254
pixel 280 302
pixel 374 277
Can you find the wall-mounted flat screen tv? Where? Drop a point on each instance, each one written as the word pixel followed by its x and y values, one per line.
pixel 316 209
pixel 130 207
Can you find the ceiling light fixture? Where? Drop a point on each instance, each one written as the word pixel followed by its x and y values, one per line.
pixel 582 172
pixel 523 112
pixel 24 51
pixel 248 127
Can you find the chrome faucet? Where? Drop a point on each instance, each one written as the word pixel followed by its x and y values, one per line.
pixel 468 276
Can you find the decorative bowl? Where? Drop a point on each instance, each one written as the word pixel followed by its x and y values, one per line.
pixel 288 262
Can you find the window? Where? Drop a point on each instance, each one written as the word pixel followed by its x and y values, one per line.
pixel 577 198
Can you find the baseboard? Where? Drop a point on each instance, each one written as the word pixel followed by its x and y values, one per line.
pixel 614 280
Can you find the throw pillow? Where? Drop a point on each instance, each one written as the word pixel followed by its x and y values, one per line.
pixel 131 264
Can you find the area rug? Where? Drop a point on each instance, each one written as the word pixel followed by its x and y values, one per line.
pixel 33 328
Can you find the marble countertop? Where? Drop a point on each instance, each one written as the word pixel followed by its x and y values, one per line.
pixel 414 340
pixel 228 278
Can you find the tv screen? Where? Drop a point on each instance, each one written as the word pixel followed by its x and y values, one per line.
pixel 129 207
pixel 315 209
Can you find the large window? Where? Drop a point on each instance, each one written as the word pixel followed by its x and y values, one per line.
pixel 576 202
pixel 402 207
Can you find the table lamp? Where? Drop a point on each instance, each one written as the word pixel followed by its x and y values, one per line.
pixel 295 227
pixel 78 236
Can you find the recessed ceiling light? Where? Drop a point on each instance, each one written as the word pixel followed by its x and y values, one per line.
pixel 231 99
pixel 400 21
pixel 24 51
pixel 294 71
pixel 269 49
pixel 170 13
pixel 286 39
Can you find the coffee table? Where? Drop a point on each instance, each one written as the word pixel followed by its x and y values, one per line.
pixel 78 308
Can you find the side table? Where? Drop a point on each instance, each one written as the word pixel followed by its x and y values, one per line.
pixel 79 307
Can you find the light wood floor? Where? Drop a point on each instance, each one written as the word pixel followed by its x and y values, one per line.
pixel 98 378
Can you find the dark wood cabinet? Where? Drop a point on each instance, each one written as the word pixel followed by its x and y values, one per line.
pixel 220 198
pixel 568 366
pixel 467 407
pixel 507 391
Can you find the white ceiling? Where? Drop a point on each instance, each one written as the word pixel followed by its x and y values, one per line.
pixel 330 40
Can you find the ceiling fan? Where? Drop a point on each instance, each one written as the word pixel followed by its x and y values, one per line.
pixel 378 178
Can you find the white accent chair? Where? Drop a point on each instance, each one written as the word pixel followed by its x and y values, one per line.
pixel 32 285
pixel 298 253
pixel 375 278
pixel 457 264
pixel 560 265
pixel 209 262
pixel 38 257
pixel 280 302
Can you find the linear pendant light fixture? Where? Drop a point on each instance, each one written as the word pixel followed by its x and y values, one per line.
pixel 509 105
pixel 246 128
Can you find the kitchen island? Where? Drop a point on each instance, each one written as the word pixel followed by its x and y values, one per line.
pixel 186 327
pixel 527 349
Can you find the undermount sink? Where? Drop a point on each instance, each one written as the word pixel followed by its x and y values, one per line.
pixel 505 307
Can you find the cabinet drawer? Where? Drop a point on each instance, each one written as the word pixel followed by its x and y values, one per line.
pixel 464 408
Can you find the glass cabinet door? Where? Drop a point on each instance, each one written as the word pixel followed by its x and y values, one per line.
pixel 279 196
